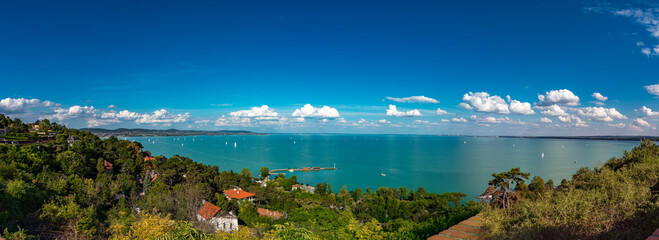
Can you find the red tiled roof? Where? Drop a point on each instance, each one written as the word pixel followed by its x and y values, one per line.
pixel 268 213
pixel 208 210
pixel 237 193
pixel 149 158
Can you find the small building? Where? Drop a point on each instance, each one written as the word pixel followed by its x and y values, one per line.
pixel 220 220
pixel 305 188
pixel 239 194
pixel 149 158
pixel 267 213
pixel 72 139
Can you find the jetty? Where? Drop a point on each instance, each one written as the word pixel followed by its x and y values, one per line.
pixel 304 169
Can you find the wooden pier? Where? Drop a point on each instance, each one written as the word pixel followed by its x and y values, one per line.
pixel 305 169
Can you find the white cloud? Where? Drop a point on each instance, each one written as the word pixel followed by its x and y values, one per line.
pixel 490 120
pixel 648 112
pixel 553 110
pixel 459 120
pixel 573 119
pixel 309 111
pixel 522 108
pixel 423 122
pixel 600 97
pixel 483 102
pixel 112 106
pixel 560 97
pixel 73 112
pixel 259 113
pixel 384 121
pixel 648 18
pixel 412 99
pixel 646 51
pixel 639 122
pixel 545 120
pixel 465 106
pixel 441 112
pixel 599 113
pixel 445 120
pixel 162 116
pixel 21 105
pixel 392 111
pixel 653 89
pixel 122 115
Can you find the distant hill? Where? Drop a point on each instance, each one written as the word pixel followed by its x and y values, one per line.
pixel 619 138
pixel 135 132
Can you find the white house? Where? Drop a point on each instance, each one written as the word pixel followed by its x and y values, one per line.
pixel 220 220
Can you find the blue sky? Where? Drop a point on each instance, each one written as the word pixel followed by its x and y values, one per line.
pixel 252 64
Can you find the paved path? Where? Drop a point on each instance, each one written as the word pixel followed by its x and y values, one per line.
pixel 467 229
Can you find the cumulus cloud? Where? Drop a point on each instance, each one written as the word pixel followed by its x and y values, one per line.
pixel 112 106
pixel 441 112
pixel 73 112
pixel 308 111
pixel 553 110
pixel 122 115
pixel 483 102
pixel 560 97
pixel 521 108
pixel 599 114
pixel 648 112
pixel 653 89
pixel 21 105
pixel 573 119
pixel 600 97
pixel 384 121
pixel 459 120
pixel 545 120
pixel 162 116
pixel 259 113
pixel 412 99
pixel 639 122
pixel 392 111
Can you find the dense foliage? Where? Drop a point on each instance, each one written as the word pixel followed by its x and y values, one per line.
pixel 619 200
pixel 58 189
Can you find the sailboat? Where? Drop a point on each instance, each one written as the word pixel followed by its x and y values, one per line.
pixel 235 144
pixel 543 155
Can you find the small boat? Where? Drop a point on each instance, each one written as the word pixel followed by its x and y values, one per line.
pixel 290 170
pixel 226 143
pixel 465 142
pixel 543 155
pixel 235 144
pixel 293 142
pixel 181 144
pixel 382 174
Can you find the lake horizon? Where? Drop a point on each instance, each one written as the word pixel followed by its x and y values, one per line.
pixel 438 163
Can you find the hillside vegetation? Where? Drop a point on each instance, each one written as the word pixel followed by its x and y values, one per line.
pixel 618 200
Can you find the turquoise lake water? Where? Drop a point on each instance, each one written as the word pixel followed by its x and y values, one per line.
pixel 437 163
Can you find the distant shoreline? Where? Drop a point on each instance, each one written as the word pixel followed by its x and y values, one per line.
pixel 139 132
pixel 615 138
